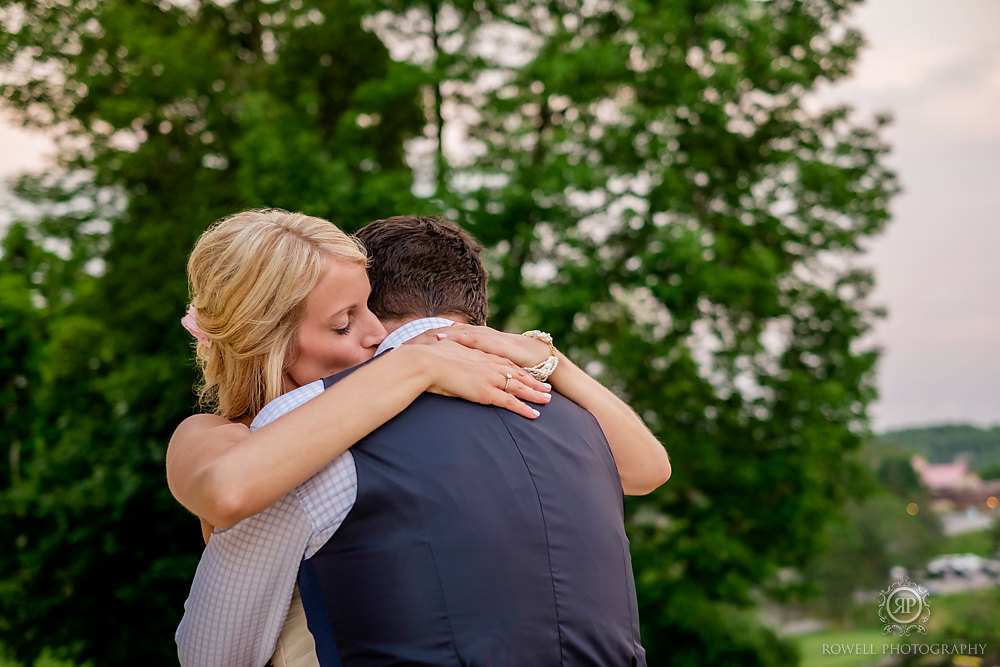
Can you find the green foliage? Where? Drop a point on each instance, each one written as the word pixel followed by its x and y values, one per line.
pixel 46 659
pixel 703 633
pixel 875 533
pixel 648 182
pixel 942 444
pixel 995 539
pixel 990 471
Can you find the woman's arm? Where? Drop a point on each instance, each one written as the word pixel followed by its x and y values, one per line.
pixel 642 461
pixel 643 464
pixel 224 484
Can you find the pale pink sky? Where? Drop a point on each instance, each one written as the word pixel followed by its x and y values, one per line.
pixel 935 64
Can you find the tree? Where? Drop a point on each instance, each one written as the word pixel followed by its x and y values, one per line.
pixel 650 182
pixel 167 116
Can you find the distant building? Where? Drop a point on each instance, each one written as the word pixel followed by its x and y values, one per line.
pixel 954 486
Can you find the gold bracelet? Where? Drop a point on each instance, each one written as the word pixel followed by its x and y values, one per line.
pixel 543 370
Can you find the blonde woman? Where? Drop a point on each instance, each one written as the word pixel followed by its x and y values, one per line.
pixel 279 300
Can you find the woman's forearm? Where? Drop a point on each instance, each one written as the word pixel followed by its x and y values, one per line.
pixel 244 472
pixel 642 461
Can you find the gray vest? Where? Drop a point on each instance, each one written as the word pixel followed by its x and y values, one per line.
pixel 478 537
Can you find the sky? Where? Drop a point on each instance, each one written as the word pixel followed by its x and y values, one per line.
pixel 935 66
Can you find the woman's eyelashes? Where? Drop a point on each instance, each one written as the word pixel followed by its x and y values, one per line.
pixel 346 329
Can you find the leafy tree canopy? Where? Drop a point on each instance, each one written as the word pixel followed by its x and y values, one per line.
pixel 652 183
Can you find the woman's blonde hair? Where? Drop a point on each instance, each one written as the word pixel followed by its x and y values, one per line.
pixel 248 278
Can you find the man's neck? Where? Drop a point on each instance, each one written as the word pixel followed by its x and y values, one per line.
pixel 393 324
pixel 403 330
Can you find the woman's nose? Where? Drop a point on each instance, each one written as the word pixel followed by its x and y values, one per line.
pixel 375 332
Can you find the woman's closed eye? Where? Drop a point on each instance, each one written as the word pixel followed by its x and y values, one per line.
pixel 344 330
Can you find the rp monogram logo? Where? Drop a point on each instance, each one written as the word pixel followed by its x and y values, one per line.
pixel 903 608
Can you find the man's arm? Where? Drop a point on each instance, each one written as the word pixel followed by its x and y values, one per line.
pixel 242 589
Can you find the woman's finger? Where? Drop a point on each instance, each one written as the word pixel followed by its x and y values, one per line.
pixel 430 336
pixel 485 340
pixel 520 389
pixel 522 380
pixel 523 351
pixel 506 400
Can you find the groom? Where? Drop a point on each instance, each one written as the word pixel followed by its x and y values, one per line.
pixel 456 534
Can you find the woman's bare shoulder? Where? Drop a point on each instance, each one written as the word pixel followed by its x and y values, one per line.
pixel 204 420
pixel 197 442
pixel 197 428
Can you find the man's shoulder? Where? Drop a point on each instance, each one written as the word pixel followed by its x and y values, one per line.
pixel 331 380
pixel 559 409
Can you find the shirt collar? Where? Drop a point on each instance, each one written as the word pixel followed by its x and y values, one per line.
pixel 410 330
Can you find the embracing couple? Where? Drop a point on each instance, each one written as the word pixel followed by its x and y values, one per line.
pixel 383 480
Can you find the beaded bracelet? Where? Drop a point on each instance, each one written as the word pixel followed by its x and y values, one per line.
pixel 543 370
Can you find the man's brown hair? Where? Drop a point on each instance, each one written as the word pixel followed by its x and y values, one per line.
pixel 424 267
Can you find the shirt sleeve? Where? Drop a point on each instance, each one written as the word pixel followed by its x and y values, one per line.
pixel 286 403
pixel 244 582
pixel 242 589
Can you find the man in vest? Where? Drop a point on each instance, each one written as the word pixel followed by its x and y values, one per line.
pixel 455 534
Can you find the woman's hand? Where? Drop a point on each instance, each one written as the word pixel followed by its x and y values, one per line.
pixel 522 351
pixel 457 370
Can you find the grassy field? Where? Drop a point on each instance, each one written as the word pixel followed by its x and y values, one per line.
pixel 979 542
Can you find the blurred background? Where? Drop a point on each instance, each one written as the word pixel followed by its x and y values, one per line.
pixel 766 224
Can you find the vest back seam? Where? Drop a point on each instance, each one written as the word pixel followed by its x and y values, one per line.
pixel 548 544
